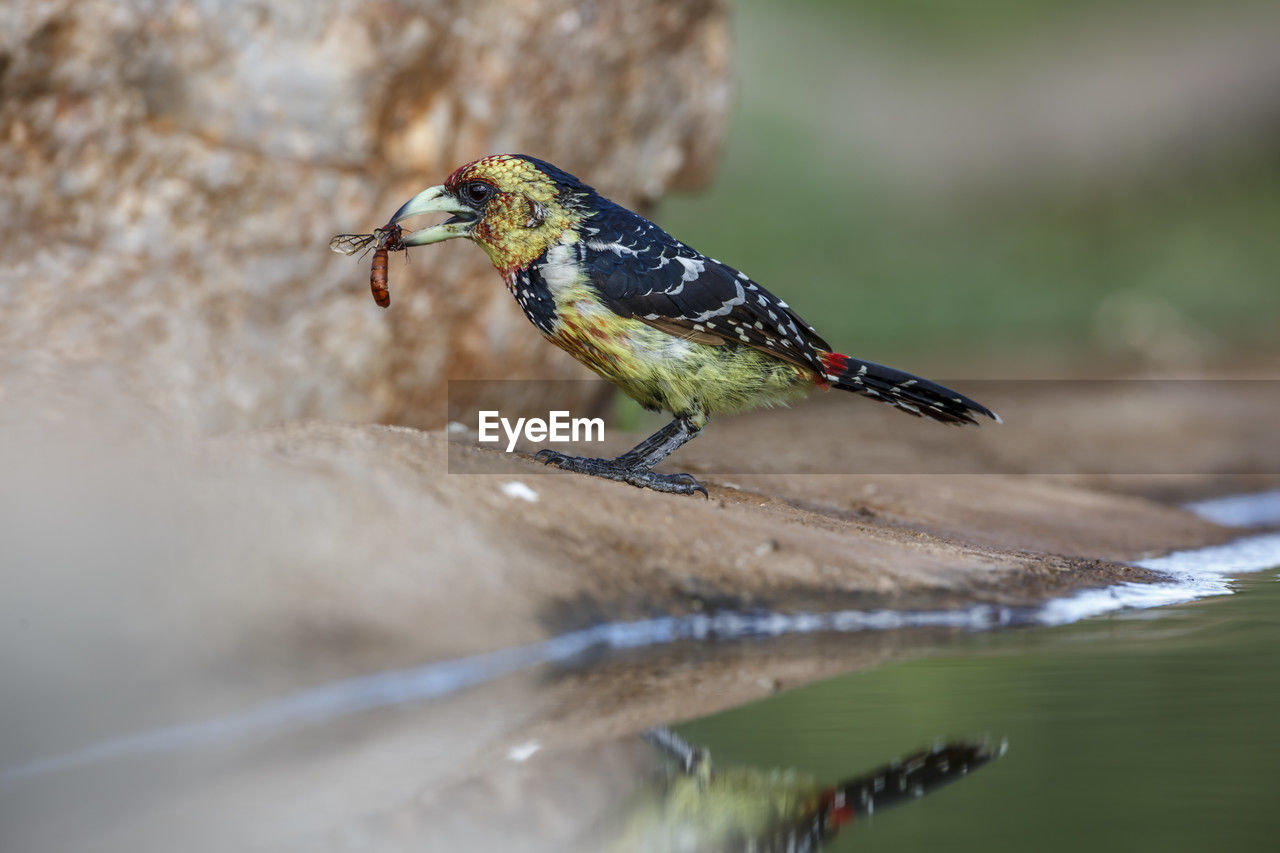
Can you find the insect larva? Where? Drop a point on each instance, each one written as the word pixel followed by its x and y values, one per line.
pixel 384 240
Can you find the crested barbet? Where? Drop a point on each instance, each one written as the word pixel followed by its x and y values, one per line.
pixel 676 330
pixel 694 806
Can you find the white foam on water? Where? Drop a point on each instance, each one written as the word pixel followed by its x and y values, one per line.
pixel 1191 574
pixel 1257 510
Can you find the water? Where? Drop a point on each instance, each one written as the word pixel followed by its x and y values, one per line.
pixel 1190 575
pixel 1140 730
pixel 1128 726
pixel 1257 509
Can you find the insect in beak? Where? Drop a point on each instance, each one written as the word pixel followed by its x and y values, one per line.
pixel 383 240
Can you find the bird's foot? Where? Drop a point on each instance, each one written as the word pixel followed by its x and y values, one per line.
pixel 616 469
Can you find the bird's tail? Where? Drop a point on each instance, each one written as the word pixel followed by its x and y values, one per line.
pixel 900 389
pixel 905 779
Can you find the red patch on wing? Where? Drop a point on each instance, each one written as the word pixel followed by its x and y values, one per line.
pixel 839 811
pixel 833 364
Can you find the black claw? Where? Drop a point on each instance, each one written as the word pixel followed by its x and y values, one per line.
pixel 550 457
pixel 624 471
pixel 698 487
pixel 688 480
pixel 681 484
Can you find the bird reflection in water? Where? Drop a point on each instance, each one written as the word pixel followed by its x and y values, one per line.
pixel 695 807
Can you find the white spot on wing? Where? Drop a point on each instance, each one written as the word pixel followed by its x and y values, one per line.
pixel 726 308
pixel 619 249
pixel 693 268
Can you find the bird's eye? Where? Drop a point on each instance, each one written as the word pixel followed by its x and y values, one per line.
pixel 476 192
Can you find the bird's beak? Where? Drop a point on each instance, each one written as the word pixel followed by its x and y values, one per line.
pixel 435 200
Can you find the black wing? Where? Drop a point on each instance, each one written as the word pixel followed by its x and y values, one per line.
pixel 642 271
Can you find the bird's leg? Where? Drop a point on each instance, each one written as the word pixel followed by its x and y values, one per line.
pixel 693 760
pixel 660 445
pixel 635 466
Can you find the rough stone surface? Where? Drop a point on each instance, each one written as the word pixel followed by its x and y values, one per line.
pixel 171 172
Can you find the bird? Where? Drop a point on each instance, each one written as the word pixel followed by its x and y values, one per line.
pixel 693 806
pixel 674 329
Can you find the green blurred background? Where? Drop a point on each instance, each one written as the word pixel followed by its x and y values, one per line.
pixel 1009 187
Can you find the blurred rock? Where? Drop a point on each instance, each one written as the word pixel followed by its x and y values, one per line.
pixel 172 176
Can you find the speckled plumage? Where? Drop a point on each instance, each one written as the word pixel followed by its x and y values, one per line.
pixel 674 329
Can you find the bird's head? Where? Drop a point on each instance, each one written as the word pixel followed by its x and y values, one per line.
pixel 514 206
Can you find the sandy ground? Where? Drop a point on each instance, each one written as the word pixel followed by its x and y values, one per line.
pixel 154 580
